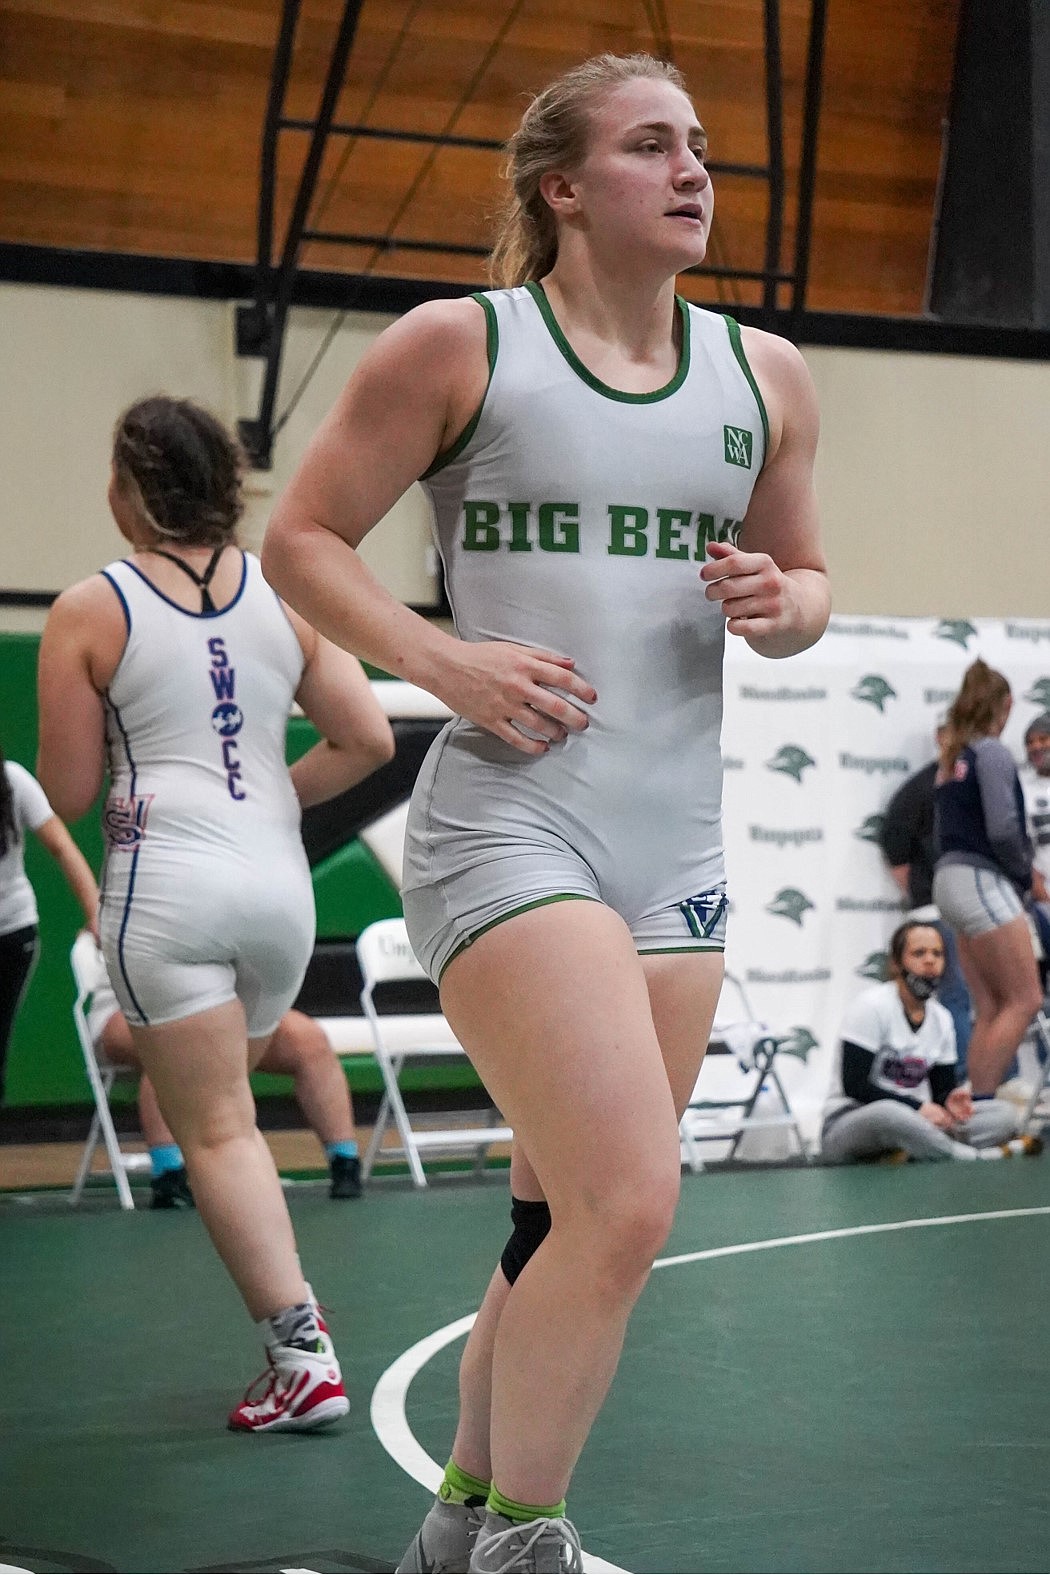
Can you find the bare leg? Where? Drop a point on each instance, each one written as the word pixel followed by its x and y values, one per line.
pixel 471 1449
pixel 683 994
pixel 300 1049
pixel 1001 971
pixel 578 1071
pixel 119 1047
pixel 199 1067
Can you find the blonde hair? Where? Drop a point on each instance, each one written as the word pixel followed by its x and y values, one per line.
pixel 553 135
pixel 973 712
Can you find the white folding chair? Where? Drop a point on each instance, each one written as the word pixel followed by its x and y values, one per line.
pixel 753 1045
pixel 89 974
pixel 385 957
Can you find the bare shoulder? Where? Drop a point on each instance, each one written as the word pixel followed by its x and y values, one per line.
pixel 436 336
pixel 786 384
pixel 772 357
pixel 86 627
pixel 88 603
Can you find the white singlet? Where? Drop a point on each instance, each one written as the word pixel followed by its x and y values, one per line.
pixel 206 891
pixel 575 517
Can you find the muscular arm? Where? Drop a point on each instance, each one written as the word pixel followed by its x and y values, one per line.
pixel 81 645
pixel 774 586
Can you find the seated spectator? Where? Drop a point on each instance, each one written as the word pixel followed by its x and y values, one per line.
pixel 298 1049
pixel 909 846
pixel 895 1090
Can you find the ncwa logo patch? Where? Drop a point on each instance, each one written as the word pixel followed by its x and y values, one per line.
pixel 738 443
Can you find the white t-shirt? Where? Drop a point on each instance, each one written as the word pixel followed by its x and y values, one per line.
pixel 1036 790
pixel 877 1021
pixel 17 902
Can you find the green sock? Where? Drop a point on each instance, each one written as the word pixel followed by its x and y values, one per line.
pixel 522 1512
pixel 459 1485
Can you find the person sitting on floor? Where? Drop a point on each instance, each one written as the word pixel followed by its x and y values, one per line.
pixel 298 1049
pixel 895 1091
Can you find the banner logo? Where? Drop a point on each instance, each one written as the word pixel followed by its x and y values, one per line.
pixel 874 689
pixel 1039 694
pixel 875 966
pixel 870 830
pixel 738 443
pixel 799 1042
pixel 960 630
pixel 790 903
pixel 791 760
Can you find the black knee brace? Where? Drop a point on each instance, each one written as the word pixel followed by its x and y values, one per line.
pixel 532 1221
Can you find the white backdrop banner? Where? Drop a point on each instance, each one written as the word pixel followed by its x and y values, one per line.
pixel 814 749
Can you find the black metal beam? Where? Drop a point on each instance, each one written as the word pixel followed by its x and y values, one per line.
pixel 774 72
pixel 390 243
pixel 282 62
pixel 257 435
pixel 807 172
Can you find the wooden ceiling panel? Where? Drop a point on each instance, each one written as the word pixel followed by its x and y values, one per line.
pixel 135 125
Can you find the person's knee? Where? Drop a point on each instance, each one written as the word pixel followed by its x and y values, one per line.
pixel 299 1044
pixel 627 1220
pixel 203 1130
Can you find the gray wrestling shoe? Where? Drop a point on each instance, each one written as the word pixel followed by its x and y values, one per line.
pixel 444 1542
pixel 539 1547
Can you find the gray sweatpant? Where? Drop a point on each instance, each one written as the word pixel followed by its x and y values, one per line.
pixel 870 1130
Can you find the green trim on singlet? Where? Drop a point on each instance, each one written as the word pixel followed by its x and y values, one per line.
pixel 491 351
pixel 663 951
pixel 526 907
pixel 738 350
pixel 537 293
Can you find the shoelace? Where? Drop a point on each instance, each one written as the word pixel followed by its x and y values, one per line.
pixel 269 1373
pixel 502 1541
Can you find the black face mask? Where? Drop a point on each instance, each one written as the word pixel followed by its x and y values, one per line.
pixel 919 986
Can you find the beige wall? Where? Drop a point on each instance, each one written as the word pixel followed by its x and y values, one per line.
pixel 933 474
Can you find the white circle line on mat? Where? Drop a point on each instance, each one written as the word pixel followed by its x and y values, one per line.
pixel 389 1416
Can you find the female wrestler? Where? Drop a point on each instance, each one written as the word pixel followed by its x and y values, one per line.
pixel 179 666
pixel 617 477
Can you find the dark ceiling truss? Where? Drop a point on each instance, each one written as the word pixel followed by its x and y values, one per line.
pixel 261 325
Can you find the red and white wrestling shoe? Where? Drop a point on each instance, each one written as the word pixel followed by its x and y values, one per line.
pixel 304 1390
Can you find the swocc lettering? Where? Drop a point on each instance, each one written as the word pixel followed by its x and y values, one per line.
pixel 634 532
pixel 226 718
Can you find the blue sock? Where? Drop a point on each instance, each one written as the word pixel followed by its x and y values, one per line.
pixel 978 1097
pixel 346 1148
pixel 168 1157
